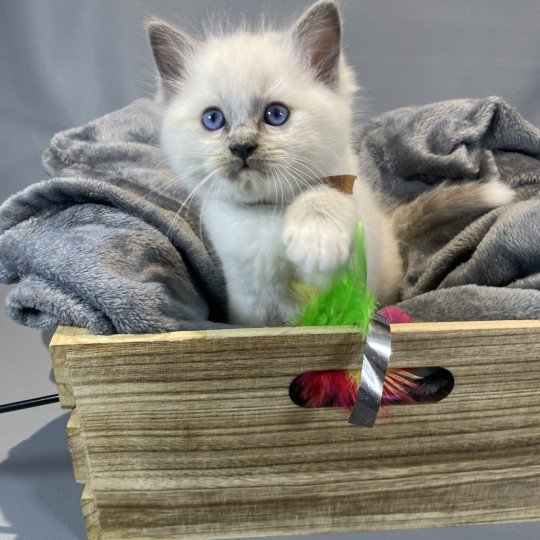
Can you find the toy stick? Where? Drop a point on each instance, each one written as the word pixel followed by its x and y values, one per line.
pixel 27 403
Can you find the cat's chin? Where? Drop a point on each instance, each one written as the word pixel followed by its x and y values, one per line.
pixel 238 197
pixel 244 186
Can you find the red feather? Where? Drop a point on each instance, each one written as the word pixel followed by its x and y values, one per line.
pixel 339 388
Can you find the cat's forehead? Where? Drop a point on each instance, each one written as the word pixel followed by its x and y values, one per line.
pixel 246 68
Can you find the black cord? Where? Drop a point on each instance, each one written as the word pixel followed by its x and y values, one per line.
pixel 27 403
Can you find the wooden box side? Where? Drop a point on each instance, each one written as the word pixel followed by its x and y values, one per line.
pixel 193 434
pixel 75 434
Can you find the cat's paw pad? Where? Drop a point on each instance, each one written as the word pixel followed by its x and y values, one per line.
pixel 316 245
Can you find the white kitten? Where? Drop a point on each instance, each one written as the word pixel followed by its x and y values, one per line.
pixel 251 123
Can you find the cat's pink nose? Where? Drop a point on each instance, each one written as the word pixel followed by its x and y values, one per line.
pixel 243 151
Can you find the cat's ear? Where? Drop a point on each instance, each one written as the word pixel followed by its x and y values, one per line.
pixel 172 49
pixel 317 37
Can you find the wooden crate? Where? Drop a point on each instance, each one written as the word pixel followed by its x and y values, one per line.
pixel 193 434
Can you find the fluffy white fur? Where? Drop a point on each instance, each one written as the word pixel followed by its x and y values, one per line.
pixel 273 221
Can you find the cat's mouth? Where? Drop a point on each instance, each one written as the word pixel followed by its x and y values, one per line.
pixel 253 182
pixel 248 170
pixel 249 182
pixel 249 165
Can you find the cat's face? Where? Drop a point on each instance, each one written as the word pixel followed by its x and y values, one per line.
pixel 257 117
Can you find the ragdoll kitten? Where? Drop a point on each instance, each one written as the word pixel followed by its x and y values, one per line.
pixel 251 123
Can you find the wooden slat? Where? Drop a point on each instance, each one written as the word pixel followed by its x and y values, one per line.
pixel 193 434
pixel 58 356
pixel 77 448
pixel 90 514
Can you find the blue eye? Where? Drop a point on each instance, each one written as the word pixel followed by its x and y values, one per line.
pixel 213 119
pixel 276 114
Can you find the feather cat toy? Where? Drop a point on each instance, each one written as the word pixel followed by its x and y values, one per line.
pixel 348 301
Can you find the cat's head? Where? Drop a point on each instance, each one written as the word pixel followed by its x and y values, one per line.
pixel 256 117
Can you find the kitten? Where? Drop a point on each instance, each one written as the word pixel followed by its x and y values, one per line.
pixel 252 122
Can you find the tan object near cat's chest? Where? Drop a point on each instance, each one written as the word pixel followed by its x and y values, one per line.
pixel 343 183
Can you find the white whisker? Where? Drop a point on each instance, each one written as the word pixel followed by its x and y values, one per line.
pixel 190 196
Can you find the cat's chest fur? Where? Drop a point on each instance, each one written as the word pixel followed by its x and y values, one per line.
pixel 248 243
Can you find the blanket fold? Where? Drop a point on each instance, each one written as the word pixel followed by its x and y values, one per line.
pixel 105 246
pixel 89 253
pixel 476 268
pixel 412 148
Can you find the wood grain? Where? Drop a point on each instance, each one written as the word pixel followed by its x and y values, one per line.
pixel 90 514
pixel 58 357
pixel 77 448
pixel 193 434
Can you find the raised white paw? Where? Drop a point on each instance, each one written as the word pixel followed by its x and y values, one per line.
pixel 317 234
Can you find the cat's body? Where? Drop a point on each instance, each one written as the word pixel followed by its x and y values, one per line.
pixel 252 123
pixel 249 242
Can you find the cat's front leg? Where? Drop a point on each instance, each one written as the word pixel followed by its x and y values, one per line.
pixel 318 230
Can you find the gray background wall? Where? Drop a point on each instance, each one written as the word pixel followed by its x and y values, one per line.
pixel 64 62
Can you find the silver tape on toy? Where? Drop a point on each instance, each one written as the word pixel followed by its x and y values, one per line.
pixel 376 357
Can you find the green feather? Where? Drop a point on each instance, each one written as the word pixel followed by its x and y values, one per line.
pixel 347 301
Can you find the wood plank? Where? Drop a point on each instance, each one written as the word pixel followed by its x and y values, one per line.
pixel 193 434
pixel 90 514
pixel 57 351
pixel 77 448
pixel 67 335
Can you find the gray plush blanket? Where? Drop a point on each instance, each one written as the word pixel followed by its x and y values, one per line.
pixel 102 245
pixel 480 268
